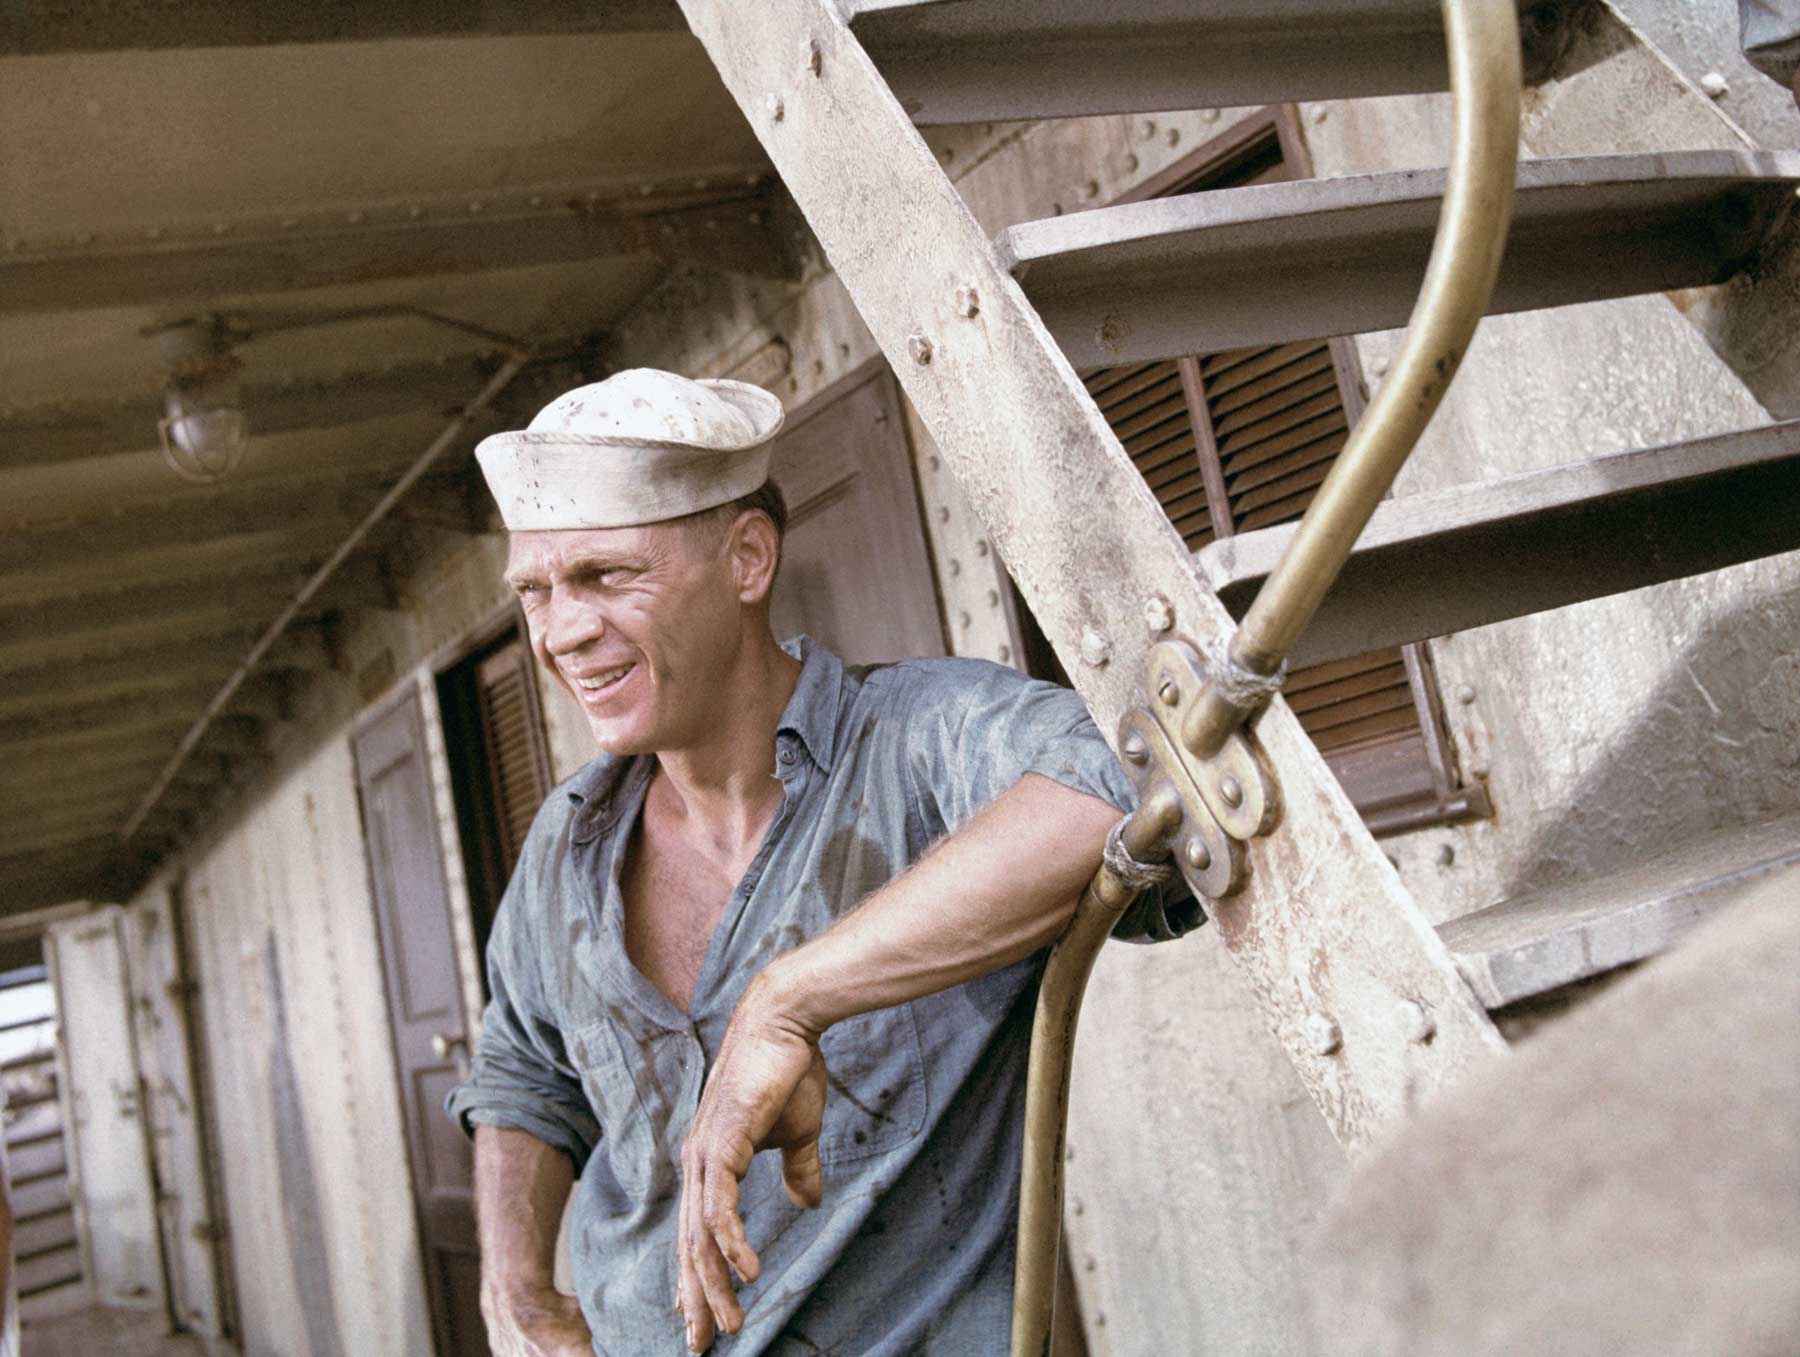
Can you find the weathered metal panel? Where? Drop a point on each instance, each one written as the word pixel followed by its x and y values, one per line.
pixel 110 1167
pixel 321 1215
pixel 1324 928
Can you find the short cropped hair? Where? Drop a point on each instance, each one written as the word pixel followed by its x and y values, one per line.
pixel 709 526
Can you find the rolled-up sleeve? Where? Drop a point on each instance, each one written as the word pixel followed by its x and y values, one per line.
pixel 970 740
pixel 521 1076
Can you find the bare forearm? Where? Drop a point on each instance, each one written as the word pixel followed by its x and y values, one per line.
pixel 521 1187
pixel 998 889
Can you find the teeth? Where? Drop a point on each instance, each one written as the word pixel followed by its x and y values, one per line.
pixel 601 680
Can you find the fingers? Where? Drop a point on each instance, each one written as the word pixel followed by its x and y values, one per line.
pixel 718 1212
pixel 690 1295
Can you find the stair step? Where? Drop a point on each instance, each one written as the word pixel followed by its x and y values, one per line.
pixel 990 60
pixel 1270 263
pixel 1469 555
pixel 1538 942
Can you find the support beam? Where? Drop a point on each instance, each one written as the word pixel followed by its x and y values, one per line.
pixel 741 232
pixel 30 28
pixel 115 560
pixel 215 655
pixel 43 434
pixel 247 591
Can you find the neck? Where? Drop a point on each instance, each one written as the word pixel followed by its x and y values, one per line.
pixel 725 787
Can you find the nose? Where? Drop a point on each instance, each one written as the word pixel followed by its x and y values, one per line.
pixel 571 624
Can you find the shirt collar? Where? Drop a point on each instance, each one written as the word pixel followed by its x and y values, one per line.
pixel 602 789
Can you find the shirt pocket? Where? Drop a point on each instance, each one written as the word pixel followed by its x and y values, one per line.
pixel 610 1066
pixel 876 1099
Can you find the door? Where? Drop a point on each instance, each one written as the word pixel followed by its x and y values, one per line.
pixel 425 1009
pixel 111 1162
pixel 855 571
pixel 193 1239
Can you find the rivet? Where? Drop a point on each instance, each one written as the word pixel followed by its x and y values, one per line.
pixel 1196 854
pixel 993 598
pixel 1715 85
pixel 954 567
pixel 1148 129
pixel 1169 692
pixel 1089 1263
pixel 1076 1207
pixel 1174 137
pixel 1131 163
pixel 814 54
pixel 1135 750
pixel 919 347
pixel 1323 1036
pixel 1158 614
pixel 1091 189
pixel 1005 654
pixel 968 302
pixel 1096 649
pixel 964 619
pixel 1417 1020
pixel 943 513
pixel 1445 855
pixel 776 109
pixel 981 547
pixel 1321 114
pixel 1209 115
pixel 1232 790
pixel 1465 693
pixel 933 462
pixel 1380 366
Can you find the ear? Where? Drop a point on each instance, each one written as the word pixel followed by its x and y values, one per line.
pixel 754 550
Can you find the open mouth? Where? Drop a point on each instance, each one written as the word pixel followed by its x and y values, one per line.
pixel 593 687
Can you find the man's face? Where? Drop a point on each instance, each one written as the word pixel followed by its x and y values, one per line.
pixel 642 625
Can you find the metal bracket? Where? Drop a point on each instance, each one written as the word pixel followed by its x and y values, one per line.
pixel 1227 798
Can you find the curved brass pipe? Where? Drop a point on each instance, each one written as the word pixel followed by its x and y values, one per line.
pixel 1052 1059
pixel 1483 37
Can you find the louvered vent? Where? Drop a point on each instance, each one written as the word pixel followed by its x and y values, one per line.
pixel 517 768
pixel 1146 407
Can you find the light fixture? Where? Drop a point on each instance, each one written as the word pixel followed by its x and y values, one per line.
pixel 203 429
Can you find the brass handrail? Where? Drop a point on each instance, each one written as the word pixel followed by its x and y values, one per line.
pixel 1483 41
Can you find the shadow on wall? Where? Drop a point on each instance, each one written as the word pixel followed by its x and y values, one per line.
pixel 299 1180
pixel 1718 746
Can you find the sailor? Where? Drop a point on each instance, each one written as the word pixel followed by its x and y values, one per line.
pixel 792 906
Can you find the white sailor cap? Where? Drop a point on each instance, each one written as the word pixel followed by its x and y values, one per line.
pixel 640 447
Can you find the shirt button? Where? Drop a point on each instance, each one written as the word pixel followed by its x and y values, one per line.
pixel 786 755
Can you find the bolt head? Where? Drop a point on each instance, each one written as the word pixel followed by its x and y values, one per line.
pixel 1168 693
pixel 1446 855
pixel 919 348
pixel 1465 693
pixel 1715 85
pixel 1195 853
pixel 968 302
pixel 1135 750
pixel 1232 790
pixel 1323 1036
pixel 1417 1020
pixel 775 108
pixel 1159 616
pixel 1096 649
pixel 813 55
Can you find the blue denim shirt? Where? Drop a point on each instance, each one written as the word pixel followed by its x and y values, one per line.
pixel 912 1251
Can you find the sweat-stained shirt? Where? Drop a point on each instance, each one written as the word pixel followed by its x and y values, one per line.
pixel 912 1251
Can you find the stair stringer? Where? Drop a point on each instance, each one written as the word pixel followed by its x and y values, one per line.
pixel 1323 932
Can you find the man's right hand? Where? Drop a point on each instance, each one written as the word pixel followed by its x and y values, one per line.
pixel 535 1322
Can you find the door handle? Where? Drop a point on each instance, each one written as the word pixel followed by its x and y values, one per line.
pixel 443 1043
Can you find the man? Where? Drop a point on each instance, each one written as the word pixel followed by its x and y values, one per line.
pixel 725 934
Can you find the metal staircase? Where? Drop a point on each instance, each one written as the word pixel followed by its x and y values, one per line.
pixel 1375 1006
